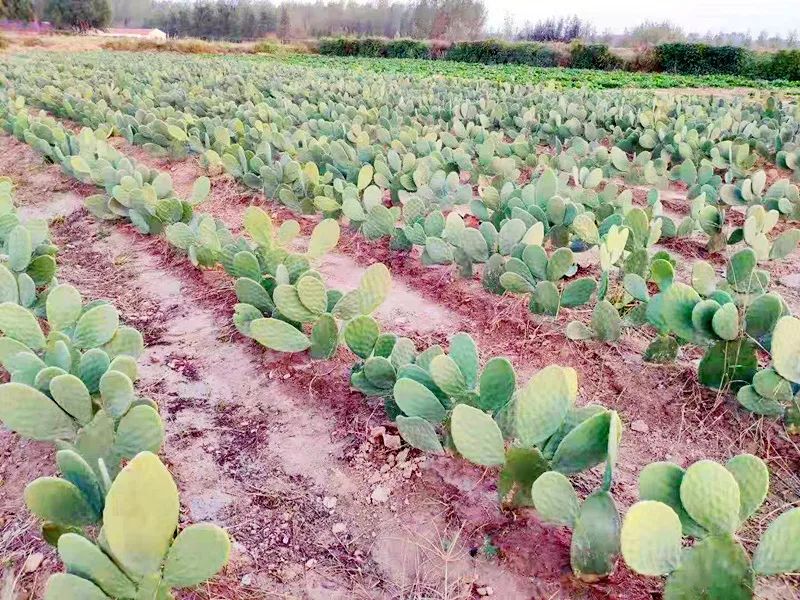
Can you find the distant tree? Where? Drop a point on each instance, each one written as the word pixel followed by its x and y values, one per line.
pixel 17 10
pixel 284 25
pixel 563 29
pixel 79 14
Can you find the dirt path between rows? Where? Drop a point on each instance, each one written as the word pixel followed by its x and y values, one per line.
pixel 264 445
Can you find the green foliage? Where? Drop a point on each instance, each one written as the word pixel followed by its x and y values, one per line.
pixel 710 502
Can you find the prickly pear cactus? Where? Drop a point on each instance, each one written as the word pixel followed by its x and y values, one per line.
pixel 719 498
pixel 140 556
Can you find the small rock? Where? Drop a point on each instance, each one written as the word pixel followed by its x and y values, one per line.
pixel 380 495
pixel 329 502
pixel 376 432
pixel 402 456
pixel 385 468
pixel 392 442
pixel 247 579
pixel 339 528
pixel 311 563
pixel 33 562
pixel 485 591
pixel 640 426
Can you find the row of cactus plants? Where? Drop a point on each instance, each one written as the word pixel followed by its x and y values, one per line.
pixel 72 369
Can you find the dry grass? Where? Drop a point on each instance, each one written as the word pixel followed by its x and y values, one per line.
pixel 197 46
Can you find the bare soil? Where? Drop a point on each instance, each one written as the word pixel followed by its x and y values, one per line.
pixel 263 444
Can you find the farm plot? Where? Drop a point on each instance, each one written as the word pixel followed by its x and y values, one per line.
pixel 622 267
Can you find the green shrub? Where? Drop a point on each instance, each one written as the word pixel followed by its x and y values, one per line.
pixel 702 59
pixel 406 48
pixel 594 56
pixel 784 64
pixel 493 52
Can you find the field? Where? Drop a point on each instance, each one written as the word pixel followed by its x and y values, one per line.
pixel 405 330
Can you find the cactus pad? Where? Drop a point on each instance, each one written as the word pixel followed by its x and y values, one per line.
pixel 595 538
pixel 141 515
pixel 32 414
pixel 81 557
pixel 96 327
pixel 651 538
pixel 448 376
pixel 542 405
pixel 278 335
pixel 716 568
pixel 19 324
pixel 710 494
pixel 752 476
pixel 360 334
pixel 476 436
pixel 785 348
pixel 555 499
pixel 59 501
pixel 419 433
pixel 64 586
pixel 63 306
pixel 779 548
pixel 416 400
pixel 197 554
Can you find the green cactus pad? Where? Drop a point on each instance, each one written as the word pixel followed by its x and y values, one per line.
pixel 312 294
pixel 728 363
pixel 419 433
pixel 678 304
pixel 578 292
pixel 96 327
pixel 769 384
pixel 19 248
pixel 584 446
pixel 577 331
pixel 31 414
pixel 116 392
pixel 324 238
pixel 379 372
pixel 762 315
pixel 197 554
pixel 497 384
pixel 324 337
pixel 752 476
pixel 81 557
pixel 78 472
pixel 522 468
pixel 725 322
pixel 8 286
pixel 785 348
pixel 545 299
pixel 245 264
pixel 63 306
pixel 141 429
pixel 651 538
pixel 141 515
pixel 416 400
pixel 243 315
pixel 595 538
pixel 703 317
pixel 740 272
pixel 278 335
pixel 555 499
pixel 72 396
pixel 360 334
pixel 253 293
pixel 63 586
pixel 127 341
pixel 349 306
pixel 716 568
pixel 476 436
pixel 125 365
pixel 448 376
pixel 43 377
pixel 374 287
pixel 750 399
pixel 93 364
pixel 661 482
pixel 59 501
pixel 403 353
pixel 710 494
pixel 465 354
pixel 287 300
pixel 258 225
pixel 19 324
pixel 779 548
pixel 606 322
pixel 559 263
pixel 703 278
pixel 542 405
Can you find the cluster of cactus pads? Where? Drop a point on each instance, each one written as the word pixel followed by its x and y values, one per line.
pixel 137 554
pixel 72 383
pixel 708 502
pixel 280 295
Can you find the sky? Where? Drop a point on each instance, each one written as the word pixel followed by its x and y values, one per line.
pixel 694 16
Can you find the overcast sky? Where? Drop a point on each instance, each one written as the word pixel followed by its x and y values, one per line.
pixel 697 16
